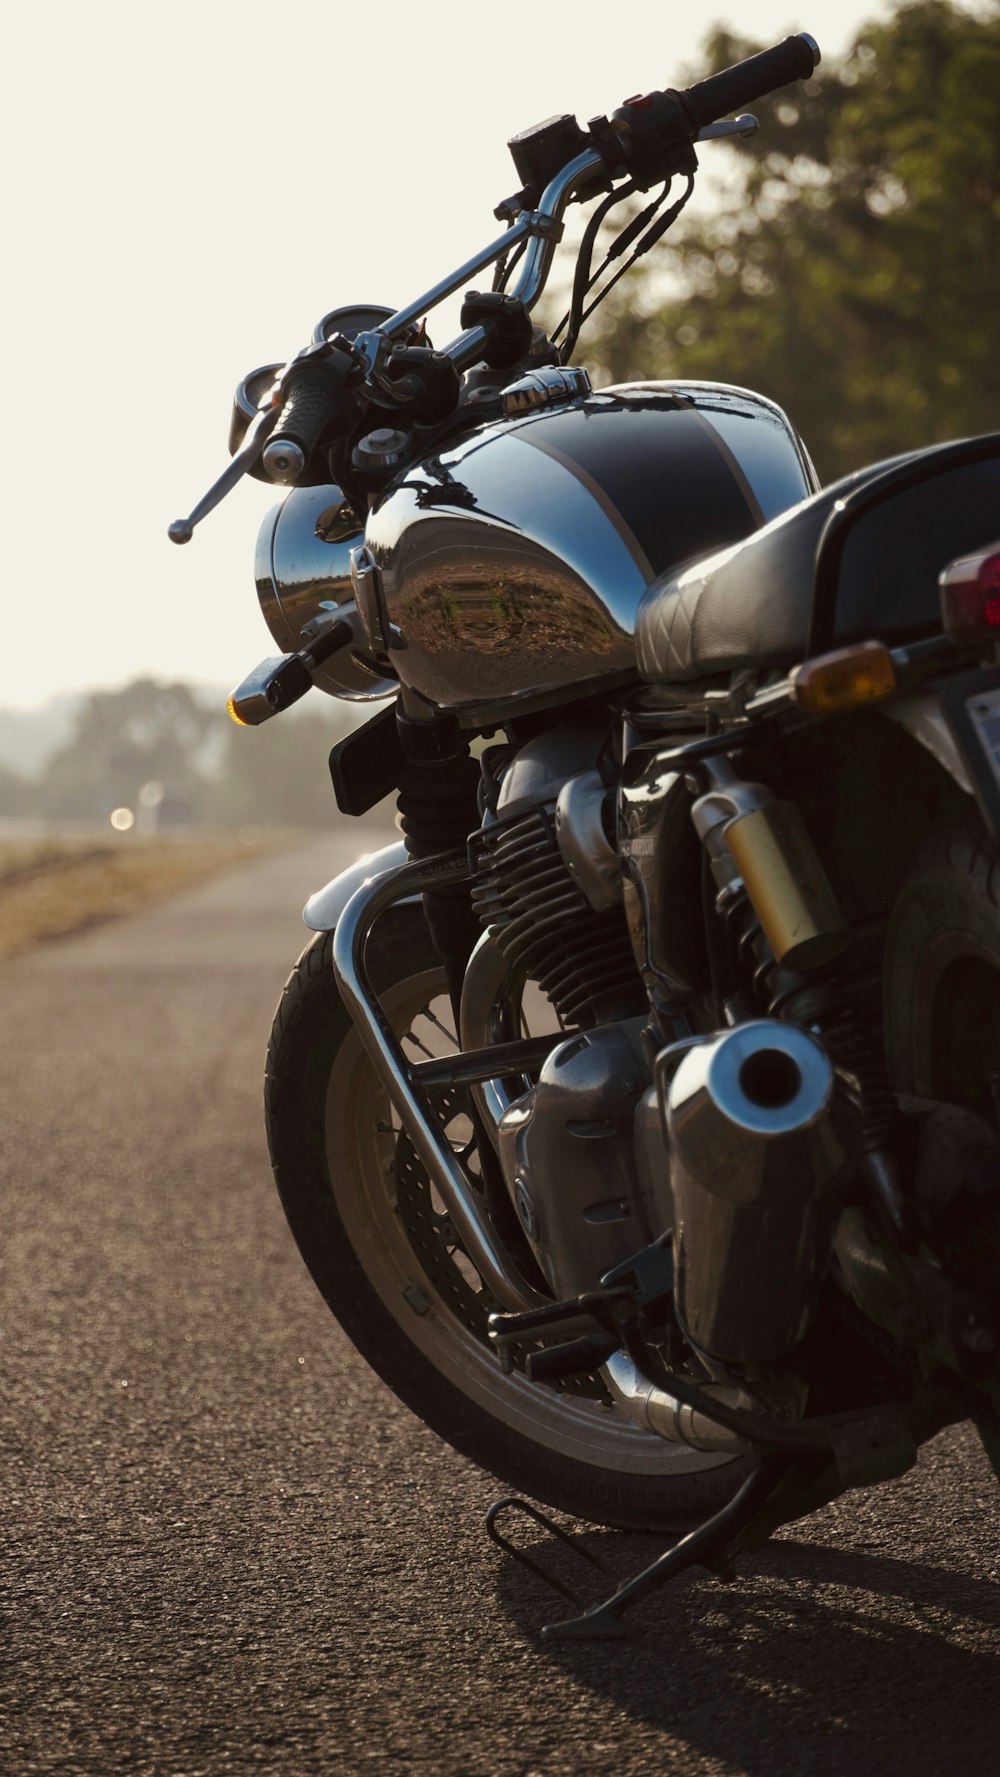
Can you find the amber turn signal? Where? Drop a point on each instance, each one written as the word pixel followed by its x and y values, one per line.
pixel 234 712
pixel 843 680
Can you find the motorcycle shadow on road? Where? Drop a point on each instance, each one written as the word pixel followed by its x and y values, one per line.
pixel 814 1658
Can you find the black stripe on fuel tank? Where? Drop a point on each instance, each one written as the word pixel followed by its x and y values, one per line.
pixel 664 478
pixel 595 490
pixel 735 466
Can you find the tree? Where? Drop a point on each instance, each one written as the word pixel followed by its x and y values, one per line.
pixel 146 732
pixel 17 796
pixel 855 275
pixel 202 766
pixel 278 775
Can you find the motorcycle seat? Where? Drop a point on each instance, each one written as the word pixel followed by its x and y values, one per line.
pixel 749 605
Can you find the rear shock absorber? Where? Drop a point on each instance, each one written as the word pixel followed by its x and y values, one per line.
pixel 761 857
pixel 776 900
pixel 857 1049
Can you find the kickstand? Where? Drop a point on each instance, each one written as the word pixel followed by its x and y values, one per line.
pixel 566 1537
pixel 706 1546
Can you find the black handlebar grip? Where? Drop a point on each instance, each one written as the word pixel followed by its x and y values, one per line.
pixel 305 414
pixel 315 393
pixel 720 94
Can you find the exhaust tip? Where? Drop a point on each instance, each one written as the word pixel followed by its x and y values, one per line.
pixel 765 1078
pixel 770 1079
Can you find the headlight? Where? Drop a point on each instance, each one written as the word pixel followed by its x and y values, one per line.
pixel 304 559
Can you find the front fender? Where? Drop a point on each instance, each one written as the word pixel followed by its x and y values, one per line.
pixel 323 909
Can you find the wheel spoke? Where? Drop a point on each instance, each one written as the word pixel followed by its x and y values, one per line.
pixel 443 1028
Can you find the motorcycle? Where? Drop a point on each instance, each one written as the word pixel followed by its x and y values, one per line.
pixel 637 1112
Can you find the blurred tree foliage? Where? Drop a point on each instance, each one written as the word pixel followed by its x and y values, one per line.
pixel 198 764
pixel 15 794
pixel 854 274
pixel 145 732
pixel 277 775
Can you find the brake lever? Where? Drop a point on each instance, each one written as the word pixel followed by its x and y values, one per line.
pixel 257 434
pixel 259 431
pixel 745 125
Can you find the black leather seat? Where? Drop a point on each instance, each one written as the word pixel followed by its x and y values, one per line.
pixel 750 604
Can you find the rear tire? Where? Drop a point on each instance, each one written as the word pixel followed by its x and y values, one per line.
pixel 386 1261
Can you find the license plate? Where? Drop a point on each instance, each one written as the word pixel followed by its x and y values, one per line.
pixel 971 707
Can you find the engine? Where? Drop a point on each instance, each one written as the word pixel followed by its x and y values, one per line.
pixel 547 888
pixel 547 882
pixel 742 1153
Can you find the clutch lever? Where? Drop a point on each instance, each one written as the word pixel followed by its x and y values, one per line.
pixel 258 432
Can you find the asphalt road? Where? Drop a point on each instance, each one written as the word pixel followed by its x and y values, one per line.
pixel 225 1547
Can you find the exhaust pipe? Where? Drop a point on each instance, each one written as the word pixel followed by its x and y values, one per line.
pixel 762 1138
pixel 659 1412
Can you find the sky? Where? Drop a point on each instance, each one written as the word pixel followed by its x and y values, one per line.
pixel 189 188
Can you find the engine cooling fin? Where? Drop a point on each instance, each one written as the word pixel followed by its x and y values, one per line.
pixel 545 926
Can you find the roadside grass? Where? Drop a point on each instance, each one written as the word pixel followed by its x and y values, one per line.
pixel 50 887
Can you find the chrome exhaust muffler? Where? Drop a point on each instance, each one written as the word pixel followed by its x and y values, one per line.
pixel 762 1137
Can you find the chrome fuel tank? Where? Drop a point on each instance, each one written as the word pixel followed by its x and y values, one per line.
pixel 511 564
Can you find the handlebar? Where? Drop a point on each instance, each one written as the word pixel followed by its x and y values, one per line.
pixel 794 59
pixel 648 138
pixel 700 105
pixel 542 229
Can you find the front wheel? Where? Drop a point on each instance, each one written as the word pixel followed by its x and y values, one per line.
pixel 383 1252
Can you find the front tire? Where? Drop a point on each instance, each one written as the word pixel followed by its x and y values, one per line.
pixel 385 1258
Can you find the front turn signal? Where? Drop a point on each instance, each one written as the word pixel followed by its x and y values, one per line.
pixel 845 679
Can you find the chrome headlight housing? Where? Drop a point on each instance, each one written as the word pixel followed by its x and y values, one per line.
pixel 303 563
